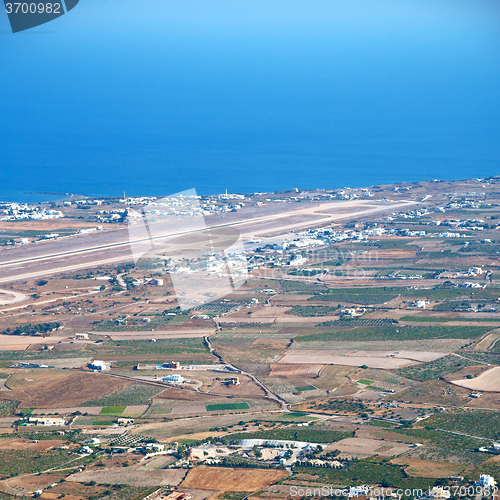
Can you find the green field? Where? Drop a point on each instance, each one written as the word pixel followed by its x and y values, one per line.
pixel 370 385
pixel 297 415
pixel 435 369
pixel 366 296
pixel 29 462
pixel 136 394
pixel 235 495
pixel 443 445
pixel 7 408
pixel 228 406
pixel 484 423
pixel 489 293
pixel 492 358
pixel 363 296
pixel 430 319
pixel 113 410
pixel 306 388
pixel 34 329
pixel 160 347
pixel 102 422
pixel 314 435
pixel 306 272
pixel 396 332
pixel 136 324
pixel 368 471
pixel 382 423
pixel 311 311
pixel 298 286
pixel 159 410
pixel 341 405
pixel 358 322
pixel 26 411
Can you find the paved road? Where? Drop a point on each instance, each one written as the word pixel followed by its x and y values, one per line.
pixel 269 394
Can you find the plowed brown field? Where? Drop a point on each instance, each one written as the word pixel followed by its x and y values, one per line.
pixel 57 389
pixel 227 479
pixel 294 370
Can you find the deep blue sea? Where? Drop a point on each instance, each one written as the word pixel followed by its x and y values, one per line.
pixel 158 97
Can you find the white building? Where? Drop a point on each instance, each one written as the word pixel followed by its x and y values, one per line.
pixel 48 421
pixel 176 379
pixel 98 365
pixel 356 491
pixel 486 481
pixel 298 260
pixel 155 447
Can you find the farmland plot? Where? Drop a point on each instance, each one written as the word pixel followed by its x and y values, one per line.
pixel 228 479
pixel 488 381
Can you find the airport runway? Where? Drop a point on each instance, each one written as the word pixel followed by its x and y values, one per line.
pixel 91 250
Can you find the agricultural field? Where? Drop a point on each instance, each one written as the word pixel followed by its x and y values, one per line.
pixel 383 348
pixel 53 389
pixel 301 287
pixel 7 408
pixel 375 470
pixel 396 332
pixel 483 423
pixel 362 447
pixel 312 311
pixel 161 349
pixel 436 369
pixel 428 468
pixel 306 388
pixel 443 446
pixel 313 435
pixel 489 381
pixel 342 406
pixel 434 392
pixel 131 394
pixel 130 476
pixel 28 461
pixel 371 359
pixel 228 479
pixel 227 406
pixel 361 296
pixel 351 322
pixel 112 410
pixel 73 491
pixel 295 371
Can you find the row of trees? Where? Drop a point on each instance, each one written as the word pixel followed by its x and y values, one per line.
pixel 30 329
